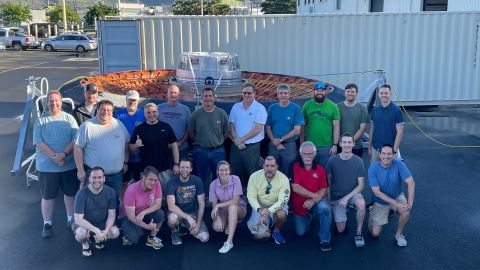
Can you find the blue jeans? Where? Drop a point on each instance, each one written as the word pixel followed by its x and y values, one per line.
pixel 323 154
pixel 284 157
pixel 322 210
pixel 114 181
pixel 203 158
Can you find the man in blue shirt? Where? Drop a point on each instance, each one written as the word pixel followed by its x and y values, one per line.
pixel 386 177
pixel 131 117
pixel 283 125
pixel 387 124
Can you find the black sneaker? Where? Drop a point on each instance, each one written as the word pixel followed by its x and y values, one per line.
pixel 47 231
pixel 325 246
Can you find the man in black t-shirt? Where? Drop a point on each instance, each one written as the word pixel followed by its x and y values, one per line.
pixel 94 213
pixel 157 143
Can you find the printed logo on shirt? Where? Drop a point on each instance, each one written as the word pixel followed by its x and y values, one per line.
pixel 288 118
pixel 218 121
pixel 315 175
pixel 138 123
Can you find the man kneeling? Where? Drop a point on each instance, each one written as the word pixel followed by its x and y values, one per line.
pixel 186 204
pixel 141 210
pixel 95 206
pixel 268 192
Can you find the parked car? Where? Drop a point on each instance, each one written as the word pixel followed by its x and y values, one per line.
pixel 71 42
pixel 17 39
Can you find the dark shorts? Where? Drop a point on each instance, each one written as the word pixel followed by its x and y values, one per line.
pixel 50 182
pixel 133 172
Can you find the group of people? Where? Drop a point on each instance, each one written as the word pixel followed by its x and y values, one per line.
pixel 124 162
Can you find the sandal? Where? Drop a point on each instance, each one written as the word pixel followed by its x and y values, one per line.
pixel 86 252
pixel 100 245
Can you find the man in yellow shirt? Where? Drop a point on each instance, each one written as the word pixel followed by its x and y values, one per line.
pixel 268 193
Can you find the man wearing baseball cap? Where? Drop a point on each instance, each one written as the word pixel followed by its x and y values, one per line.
pixel 88 108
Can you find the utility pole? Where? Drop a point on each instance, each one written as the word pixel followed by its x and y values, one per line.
pixel 64 8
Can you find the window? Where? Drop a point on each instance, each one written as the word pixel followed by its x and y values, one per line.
pixel 376 6
pixel 298 2
pixel 339 4
pixel 2 33
pixel 435 5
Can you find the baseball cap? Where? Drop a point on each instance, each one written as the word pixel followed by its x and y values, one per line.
pixel 132 94
pixel 320 85
pixel 91 87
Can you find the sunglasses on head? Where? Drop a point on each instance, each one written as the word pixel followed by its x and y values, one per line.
pixel 320 85
pixel 269 187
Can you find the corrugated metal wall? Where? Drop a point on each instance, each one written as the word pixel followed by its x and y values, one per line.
pixel 431 58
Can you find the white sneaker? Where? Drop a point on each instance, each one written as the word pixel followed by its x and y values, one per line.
pixel 401 242
pixel 226 247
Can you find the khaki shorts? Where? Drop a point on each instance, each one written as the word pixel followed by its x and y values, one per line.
pixel 379 212
pixel 340 213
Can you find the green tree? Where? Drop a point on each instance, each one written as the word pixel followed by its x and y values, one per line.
pixel 99 10
pixel 15 13
pixel 193 7
pixel 56 14
pixel 279 7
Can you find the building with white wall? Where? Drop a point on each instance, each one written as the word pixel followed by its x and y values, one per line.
pixel 387 6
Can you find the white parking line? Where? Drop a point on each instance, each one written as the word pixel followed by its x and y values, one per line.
pixel 82 59
pixel 22 67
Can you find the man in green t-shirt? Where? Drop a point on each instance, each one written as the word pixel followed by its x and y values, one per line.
pixel 322 123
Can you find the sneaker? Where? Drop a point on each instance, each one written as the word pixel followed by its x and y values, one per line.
pixel 359 241
pixel 47 231
pixel 176 238
pixel 277 236
pixel 401 242
pixel 226 247
pixel 182 231
pixel 227 230
pixel 125 242
pixel 154 242
pixel 325 246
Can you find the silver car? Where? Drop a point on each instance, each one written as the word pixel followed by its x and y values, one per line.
pixel 70 42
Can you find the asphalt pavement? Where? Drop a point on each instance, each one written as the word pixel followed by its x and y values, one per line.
pixel 443 233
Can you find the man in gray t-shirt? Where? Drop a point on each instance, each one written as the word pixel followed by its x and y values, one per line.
pixel 208 128
pixel 95 212
pixel 103 141
pixel 354 117
pixel 346 175
pixel 177 116
pixel 53 136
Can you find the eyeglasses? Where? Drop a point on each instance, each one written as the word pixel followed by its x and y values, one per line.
pixel 269 187
pixel 247 93
pixel 309 154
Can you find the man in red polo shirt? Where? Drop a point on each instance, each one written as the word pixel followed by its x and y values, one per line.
pixel 309 196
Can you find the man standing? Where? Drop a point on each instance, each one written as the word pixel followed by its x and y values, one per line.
pixel 53 137
pixel 208 128
pixel 95 212
pixel 283 126
pixel 322 123
pixel 309 196
pixel 386 177
pixel 142 210
pixel 176 115
pixel 157 144
pixel 346 174
pixel 89 107
pixel 131 117
pixel 387 124
pixel 247 119
pixel 268 192
pixel 186 204
pixel 353 117
pixel 102 141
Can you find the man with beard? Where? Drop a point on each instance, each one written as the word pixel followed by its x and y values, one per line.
pixel 95 208
pixel 177 116
pixel 309 195
pixel 268 192
pixel 353 117
pixel 142 210
pixel 131 117
pixel 53 137
pixel 186 204
pixel 322 123
pixel 385 178
pixel 88 109
pixel 208 129
pixel 102 141
pixel 387 124
pixel 157 144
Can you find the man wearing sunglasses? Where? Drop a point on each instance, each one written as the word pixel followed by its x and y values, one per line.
pixel 247 119
pixel 268 193
pixel 309 195
pixel 322 123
